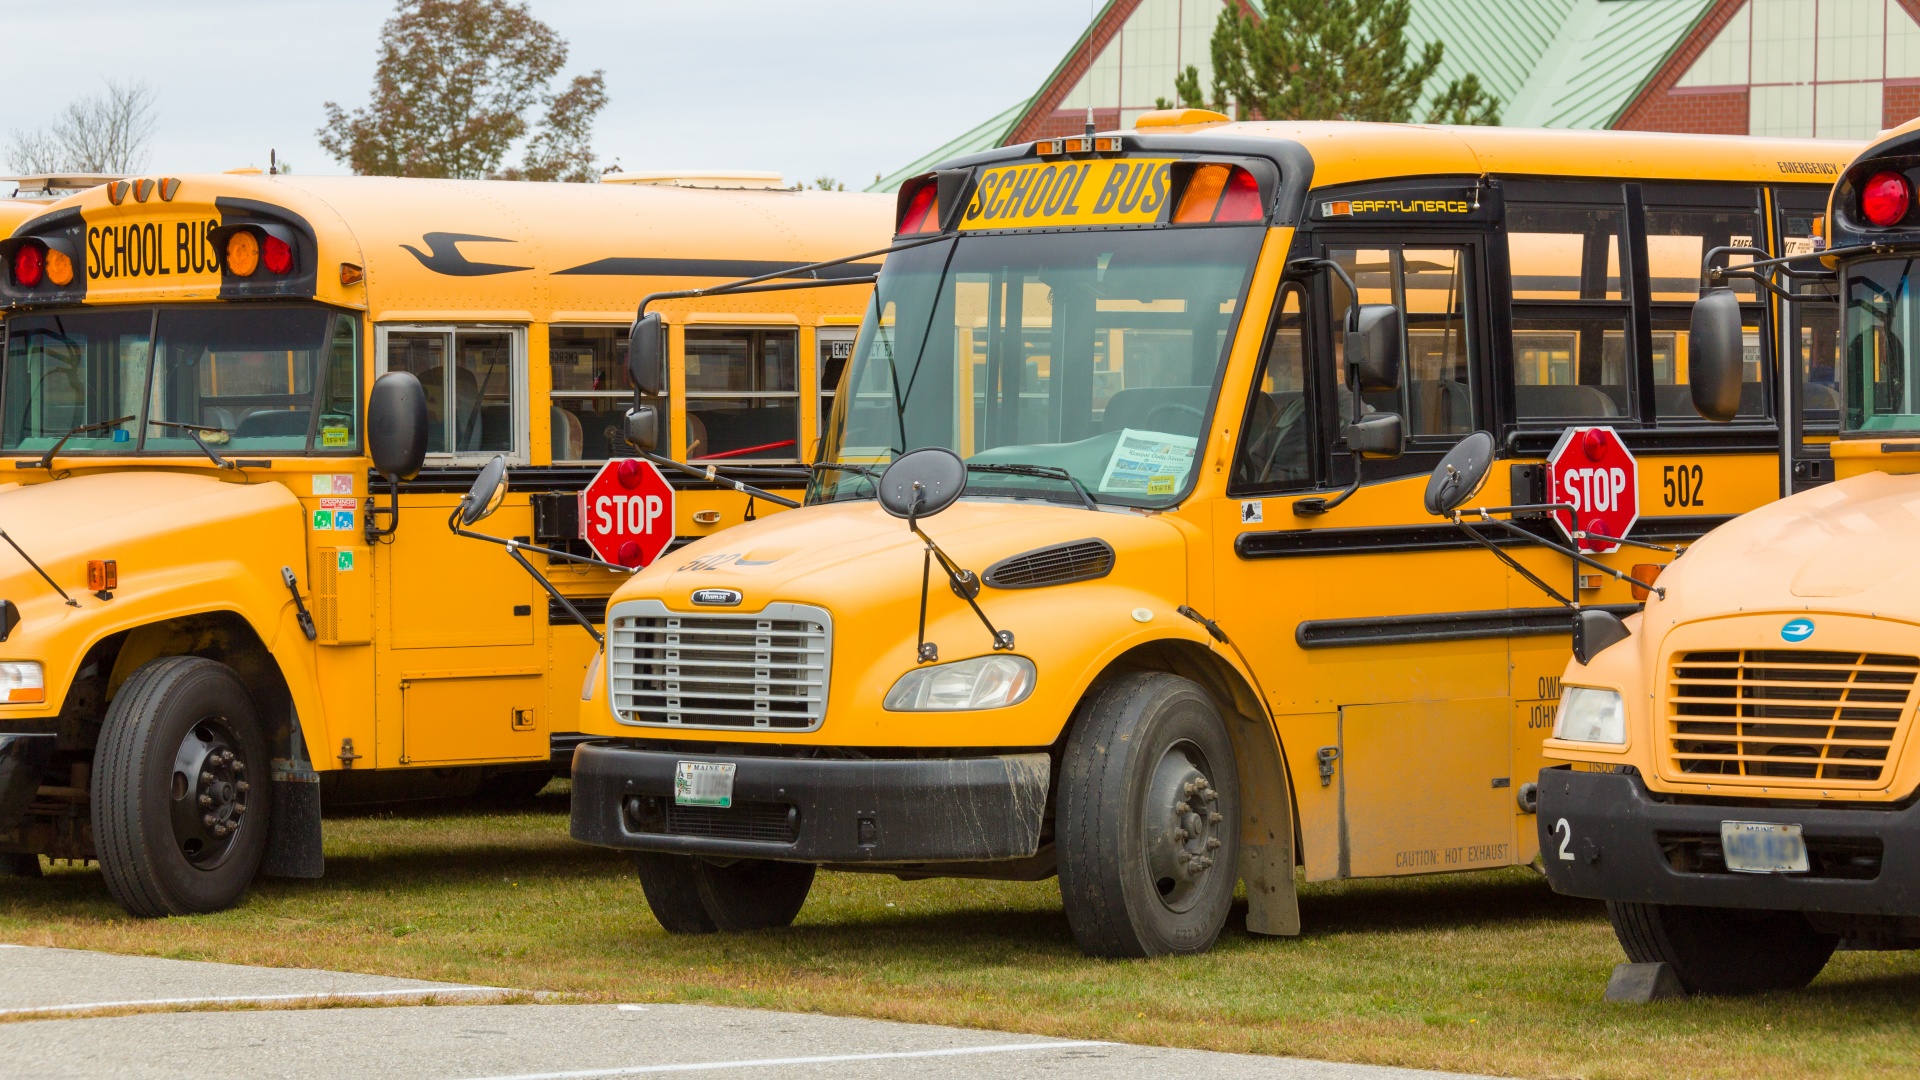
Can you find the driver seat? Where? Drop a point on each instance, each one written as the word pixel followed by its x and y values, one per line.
pixel 1130 408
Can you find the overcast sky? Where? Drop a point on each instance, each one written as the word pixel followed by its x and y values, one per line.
pixel 846 88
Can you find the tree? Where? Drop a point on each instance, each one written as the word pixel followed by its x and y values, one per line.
pixel 454 82
pixel 1328 60
pixel 106 133
pixel 827 183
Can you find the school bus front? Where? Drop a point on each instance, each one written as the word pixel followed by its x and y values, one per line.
pixel 1088 583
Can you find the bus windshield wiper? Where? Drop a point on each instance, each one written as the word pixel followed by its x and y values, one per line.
pixel 1049 472
pixel 46 460
pixel 866 472
pixel 193 432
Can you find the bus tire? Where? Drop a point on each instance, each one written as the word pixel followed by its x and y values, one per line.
pixel 672 891
pixel 1147 829
pixel 181 791
pixel 1723 950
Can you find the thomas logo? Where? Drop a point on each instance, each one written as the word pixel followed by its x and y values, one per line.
pixel 716 597
pixel 1797 630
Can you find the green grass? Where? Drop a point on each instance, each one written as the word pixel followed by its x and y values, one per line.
pixel 1484 972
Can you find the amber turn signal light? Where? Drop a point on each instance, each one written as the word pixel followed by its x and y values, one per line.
pixel 243 253
pixel 1645 574
pixel 103 574
pixel 351 274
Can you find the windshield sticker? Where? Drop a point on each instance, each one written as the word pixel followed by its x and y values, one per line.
pixel 1148 463
pixel 1118 191
pixel 335 436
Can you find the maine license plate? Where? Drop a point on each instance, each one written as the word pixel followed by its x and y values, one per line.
pixel 1761 847
pixel 703 783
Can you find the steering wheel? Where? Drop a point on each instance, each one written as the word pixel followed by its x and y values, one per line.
pixel 1175 406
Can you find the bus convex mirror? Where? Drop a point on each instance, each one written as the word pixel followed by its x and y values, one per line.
pixel 397 426
pixel 643 427
pixel 488 491
pixel 1376 435
pixel 1374 344
pixel 922 483
pixel 1716 355
pixel 646 355
pixel 1460 474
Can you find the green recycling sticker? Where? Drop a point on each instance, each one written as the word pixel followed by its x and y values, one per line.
pixel 345 560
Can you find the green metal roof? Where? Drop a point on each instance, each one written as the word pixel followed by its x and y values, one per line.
pixel 985 137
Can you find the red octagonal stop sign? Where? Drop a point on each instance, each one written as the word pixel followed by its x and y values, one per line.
pixel 1591 470
pixel 626 512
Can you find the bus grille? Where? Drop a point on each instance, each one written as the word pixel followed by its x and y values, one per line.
pixel 763 671
pixel 1788 717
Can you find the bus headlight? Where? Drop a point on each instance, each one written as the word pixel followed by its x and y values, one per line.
pixel 1589 715
pixel 984 682
pixel 22 682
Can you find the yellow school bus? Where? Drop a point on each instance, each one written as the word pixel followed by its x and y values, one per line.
pixel 211 609
pixel 1134 611
pixel 1735 774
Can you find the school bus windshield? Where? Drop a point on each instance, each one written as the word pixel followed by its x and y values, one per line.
pixel 270 377
pixel 1096 353
pixel 1882 329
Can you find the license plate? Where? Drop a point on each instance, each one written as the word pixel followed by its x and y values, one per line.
pixel 703 783
pixel 1762 847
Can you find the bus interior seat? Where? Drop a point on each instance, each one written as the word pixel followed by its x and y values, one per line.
pixel 1131 407
pixel 569 438
pixel 273 424
pixel 1564 400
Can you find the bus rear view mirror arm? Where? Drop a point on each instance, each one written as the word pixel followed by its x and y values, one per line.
pixel 397 440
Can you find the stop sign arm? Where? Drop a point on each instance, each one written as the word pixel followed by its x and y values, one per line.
pixel 711 474
pixel 515 547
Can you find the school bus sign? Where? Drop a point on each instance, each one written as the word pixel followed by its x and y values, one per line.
pixel 1591 470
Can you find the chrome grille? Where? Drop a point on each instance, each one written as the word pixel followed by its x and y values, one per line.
pixel 1788 717
pixel 766 670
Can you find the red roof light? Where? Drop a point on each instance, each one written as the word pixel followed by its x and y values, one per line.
pixel 277 255
pixel 29 265
pixel 922 211
pixel 1885 198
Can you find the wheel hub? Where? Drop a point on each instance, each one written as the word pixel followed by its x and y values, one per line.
pixel 1183 826
pixel 209 792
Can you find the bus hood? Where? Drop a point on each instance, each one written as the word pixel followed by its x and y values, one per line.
pixel 1846 547
pixel 853 557
pixel 167 533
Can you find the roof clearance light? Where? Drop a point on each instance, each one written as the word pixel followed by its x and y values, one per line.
pixel 1885 198
pixel 1047 147
pixel 1241 202
pixel 59 267
pixel 29 265
pixel 243 253
pixel 923 213
pixel 1202 195
pixel 1108 144
pixel 277 254
pixel 1080 145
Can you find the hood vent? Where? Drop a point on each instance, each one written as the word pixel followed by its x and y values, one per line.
pixel 1057 564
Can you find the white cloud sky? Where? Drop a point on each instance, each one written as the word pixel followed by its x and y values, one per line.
pixel 846 88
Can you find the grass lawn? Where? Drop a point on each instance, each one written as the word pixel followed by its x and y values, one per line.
pixel 1485 972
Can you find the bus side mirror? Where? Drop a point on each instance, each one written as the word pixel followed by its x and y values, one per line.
pixel 488 491
pixel 1374 345
pixel 643 427
pixel 1377 435
pixel 646 355
pixel 397 426
pixel 1716 355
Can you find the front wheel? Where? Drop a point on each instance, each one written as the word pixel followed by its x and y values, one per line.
pixel 180 789
pixel 1148 824
pixel 692 895
pixel 1723 950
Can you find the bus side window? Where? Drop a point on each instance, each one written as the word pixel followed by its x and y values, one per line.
pixel 473 379
pixel 1274 444
pixel 591 392
pixel 1679 234
pixel 1429 285
pixel 1570 307
pixel 1813 328
pixel 742 395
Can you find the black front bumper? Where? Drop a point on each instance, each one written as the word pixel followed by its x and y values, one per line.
pixel 816 810
pixel 1620 843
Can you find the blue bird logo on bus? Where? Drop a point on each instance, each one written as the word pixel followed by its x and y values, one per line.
pixel 1797 630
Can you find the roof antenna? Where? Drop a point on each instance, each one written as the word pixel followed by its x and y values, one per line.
pixel 1093 20
pixel 273 163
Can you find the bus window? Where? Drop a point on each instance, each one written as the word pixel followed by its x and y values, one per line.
pixel 1273 449
pixel 1813 328
pixel 1570 310
pixel 1677 240
pixel 472 379
pixel 591 392
pixel 743 397
pixel 1429 285
pixel 71 369
pixel 835 348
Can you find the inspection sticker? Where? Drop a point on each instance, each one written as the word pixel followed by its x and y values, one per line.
pixel 703 783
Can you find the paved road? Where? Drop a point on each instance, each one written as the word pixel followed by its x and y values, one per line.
pixel 522 1042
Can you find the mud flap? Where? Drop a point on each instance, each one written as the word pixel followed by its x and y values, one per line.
pixel 1266 832
pixel 21 759
pixel 293 833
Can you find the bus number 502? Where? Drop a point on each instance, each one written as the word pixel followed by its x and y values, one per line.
pixel 1682 485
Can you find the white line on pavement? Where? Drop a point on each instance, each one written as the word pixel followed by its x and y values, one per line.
pixel 243 998
pixel 826 1059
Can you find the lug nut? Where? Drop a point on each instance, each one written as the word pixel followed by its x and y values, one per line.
pixel 1216 817
pixel 1182 808
pixel 206 800
pixel 1213 842
pixel 240 786
pixel 206 776
pixel 207 820
pixel 239 808
pixel 238 765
